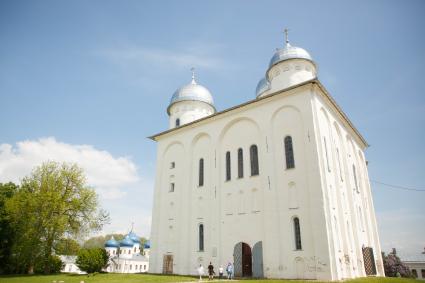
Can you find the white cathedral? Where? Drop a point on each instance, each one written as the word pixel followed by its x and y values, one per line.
pixel 277 185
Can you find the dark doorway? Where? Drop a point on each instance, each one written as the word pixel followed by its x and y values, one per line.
pixel 242 258
pixel 246 261
pixel 167 264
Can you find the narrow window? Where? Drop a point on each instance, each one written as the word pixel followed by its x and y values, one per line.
pixel 201 172
pixel 297 232
pixel 326 154
pixel 177 122
pixel 339 165
pixel 289 153
pixel 240 163
pixel 228 173
pixel 253 150
pixel 172 187
pixel 172 165
pixel 355 179
pixel 201 237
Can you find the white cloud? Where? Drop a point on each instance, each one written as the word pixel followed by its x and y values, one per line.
pixel 205 56
pixel 110 176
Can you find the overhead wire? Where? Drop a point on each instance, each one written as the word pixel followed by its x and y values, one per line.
pixel 397 187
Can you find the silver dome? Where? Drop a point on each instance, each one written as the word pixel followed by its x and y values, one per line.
pixel 262 86
pixel 289 52
pixel 191 92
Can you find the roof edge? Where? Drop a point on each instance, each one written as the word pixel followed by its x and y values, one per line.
pixel 154 137
pixel 314 81
pixel 341 112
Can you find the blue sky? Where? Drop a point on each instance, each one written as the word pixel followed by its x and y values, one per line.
pixel 88 81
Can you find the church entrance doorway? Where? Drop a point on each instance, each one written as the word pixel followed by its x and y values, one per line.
pixel 257 260
pixel 242 258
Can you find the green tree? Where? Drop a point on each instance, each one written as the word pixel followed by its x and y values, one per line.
pixel 55 265
pixel 67 246
pixel 52 203
pixel 99 241
pixel 92 260
pixel 7 234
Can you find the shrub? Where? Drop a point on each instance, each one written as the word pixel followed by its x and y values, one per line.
pixel 54 265
pixel 394 267
pixel 92 260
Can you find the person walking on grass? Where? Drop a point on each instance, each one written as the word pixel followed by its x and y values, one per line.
pixel 220 272
pixel 229 270
pixel 201 272
pixel 210 271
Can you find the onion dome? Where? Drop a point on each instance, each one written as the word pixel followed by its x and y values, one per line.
pixel 262 86
pixel 112 243
pixel 127 242
pixel 192 92
pixel 134 237
pixel 289 52
pixel 147 244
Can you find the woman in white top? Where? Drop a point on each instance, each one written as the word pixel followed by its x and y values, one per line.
pixel 201 271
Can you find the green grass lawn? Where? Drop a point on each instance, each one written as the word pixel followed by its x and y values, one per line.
pixel 142 278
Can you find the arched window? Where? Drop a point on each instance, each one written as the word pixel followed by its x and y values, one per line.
pixel 240 163
pixel 177 122
pixel 289 153
pixel 201 172
pixel 339 165
pixel 228 172
pixel 201 237
pixel 326 154
pixel 253 151
pixel 297 233
pixel 355 179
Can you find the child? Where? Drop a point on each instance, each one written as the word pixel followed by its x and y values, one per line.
pixel 200 272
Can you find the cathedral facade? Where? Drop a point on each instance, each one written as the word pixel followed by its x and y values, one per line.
pixel 277 185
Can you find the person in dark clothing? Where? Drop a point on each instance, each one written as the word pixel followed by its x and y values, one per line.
pixel 211 272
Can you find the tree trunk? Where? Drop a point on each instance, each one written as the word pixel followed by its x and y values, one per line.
pixel 47 253
pixel 31 269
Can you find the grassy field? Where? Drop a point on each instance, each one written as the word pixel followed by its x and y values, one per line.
pixel 147 278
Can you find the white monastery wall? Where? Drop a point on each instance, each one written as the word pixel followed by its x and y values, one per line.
pixel 188 111
pixel 350 213
pixel 248 209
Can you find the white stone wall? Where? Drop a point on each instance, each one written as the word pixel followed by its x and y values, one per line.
pixel 419 266
pixel 261 208
pixel 350 213
pixel 188 111
pixel 289 73
pixel 123 265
